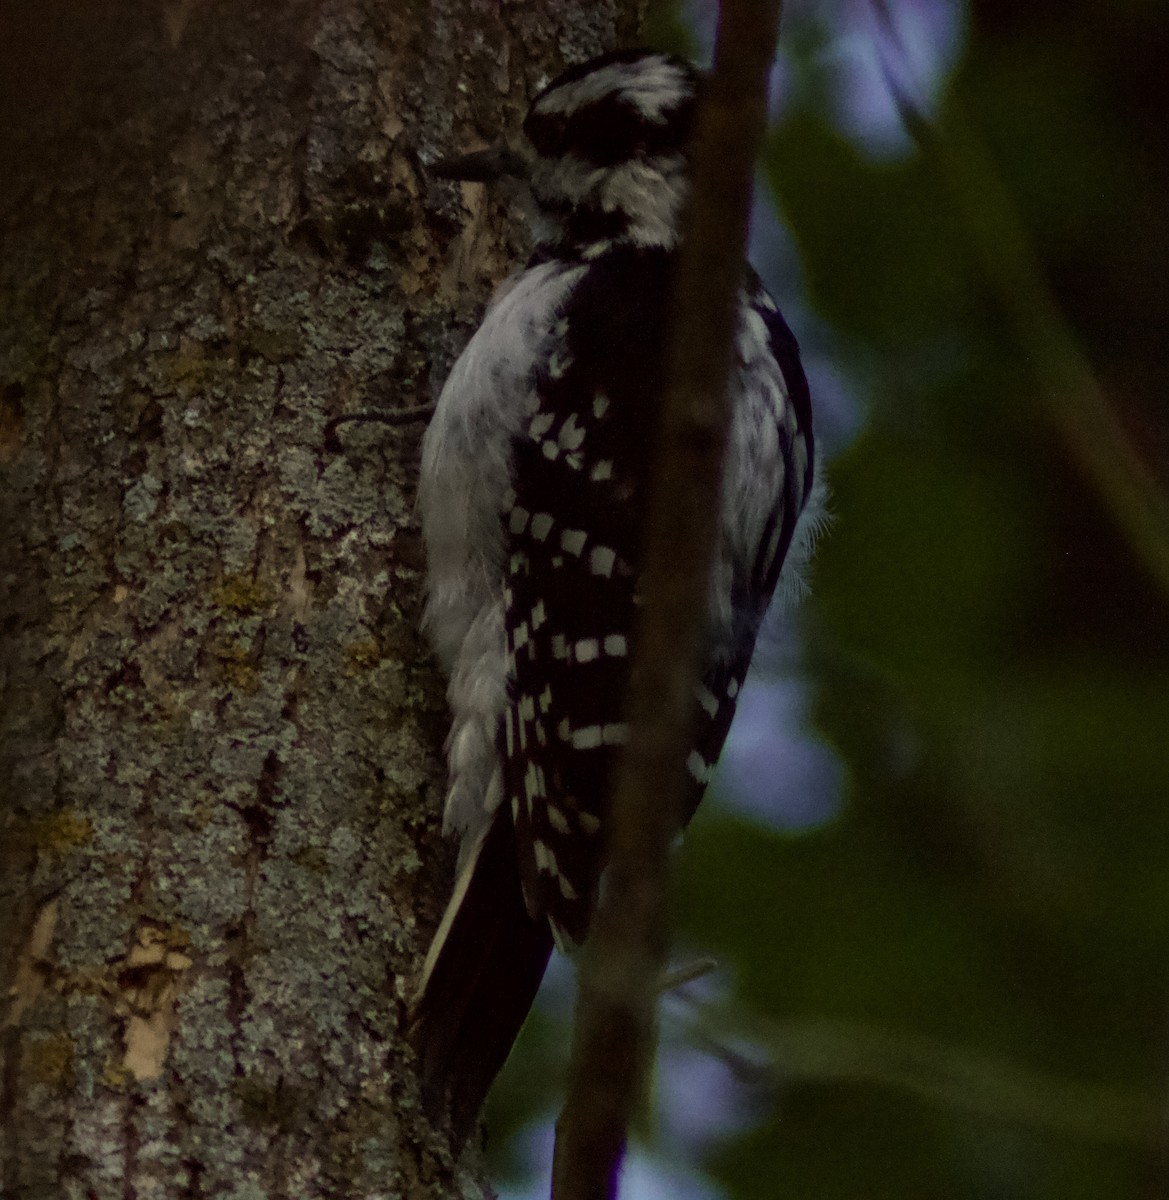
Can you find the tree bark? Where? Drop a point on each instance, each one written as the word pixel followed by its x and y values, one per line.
pixel 222 769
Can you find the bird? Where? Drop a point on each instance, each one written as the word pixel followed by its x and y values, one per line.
pixel 532 496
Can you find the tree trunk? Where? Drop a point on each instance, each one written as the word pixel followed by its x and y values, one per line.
pixel 222 772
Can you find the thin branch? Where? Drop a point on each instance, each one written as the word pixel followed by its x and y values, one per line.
pixel 625 955
pixel 939 1073
pixel 390 416
pixel 679 978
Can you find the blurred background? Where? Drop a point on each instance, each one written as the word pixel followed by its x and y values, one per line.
pixel 934 870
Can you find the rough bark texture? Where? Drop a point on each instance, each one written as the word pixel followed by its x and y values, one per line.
pixel 219 857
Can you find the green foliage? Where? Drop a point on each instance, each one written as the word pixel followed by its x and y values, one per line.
pixel 880 253
pixel 961 979
pixel 991 662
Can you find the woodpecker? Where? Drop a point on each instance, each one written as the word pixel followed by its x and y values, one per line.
pixel 532 497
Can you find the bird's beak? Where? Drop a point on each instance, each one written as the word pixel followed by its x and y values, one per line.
pixel 482 166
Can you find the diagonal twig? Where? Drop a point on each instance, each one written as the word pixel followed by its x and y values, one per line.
pixel 1069 392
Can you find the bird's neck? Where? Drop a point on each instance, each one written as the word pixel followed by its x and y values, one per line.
pixel 583 212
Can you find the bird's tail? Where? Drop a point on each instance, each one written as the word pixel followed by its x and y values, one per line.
pixel 481 975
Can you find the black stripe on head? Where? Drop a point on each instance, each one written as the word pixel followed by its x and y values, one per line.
pixel 610 131
pixel 622 119
pixel 583 224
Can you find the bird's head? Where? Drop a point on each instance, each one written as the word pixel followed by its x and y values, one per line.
pixel 607 156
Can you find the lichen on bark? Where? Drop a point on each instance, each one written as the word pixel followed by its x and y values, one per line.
pixel 221 728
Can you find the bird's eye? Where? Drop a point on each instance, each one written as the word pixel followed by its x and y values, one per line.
pixel 609 132
pixel 546 133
